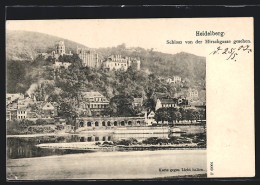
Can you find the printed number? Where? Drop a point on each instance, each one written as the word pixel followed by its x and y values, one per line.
pixel 211 168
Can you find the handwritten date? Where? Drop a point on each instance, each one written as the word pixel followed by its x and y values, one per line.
pixel 231 53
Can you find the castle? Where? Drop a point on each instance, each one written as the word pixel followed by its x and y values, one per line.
pixel 89 58
pixel 117 62
pixel 60 50
pixel 114 62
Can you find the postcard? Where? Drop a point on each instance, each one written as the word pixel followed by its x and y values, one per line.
pixel 156 98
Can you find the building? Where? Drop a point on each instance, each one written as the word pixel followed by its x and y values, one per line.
pixel 60 50
pixel 94 101
pixel 138 102
pixel 11 110
pixel 109 122
pixel 58 65
pixel 117 62
pixel 25 102
pixel 12 97
pixel 193 94
pixel 49 110
pixel 21 113
pixel 169 102
pixel 89 58
pixel 174 79
pixel 150 118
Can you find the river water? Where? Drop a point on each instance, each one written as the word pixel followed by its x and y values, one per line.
pixel 25 161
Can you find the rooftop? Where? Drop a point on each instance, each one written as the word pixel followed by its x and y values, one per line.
pixel 138 100
pixel 92 94
pixel 168 100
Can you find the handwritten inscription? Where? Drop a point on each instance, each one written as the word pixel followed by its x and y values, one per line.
pixel 232 52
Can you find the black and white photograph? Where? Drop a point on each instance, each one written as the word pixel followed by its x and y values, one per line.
pixel 107 99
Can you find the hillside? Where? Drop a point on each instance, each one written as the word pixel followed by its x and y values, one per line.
pixel 24 45
pixel 183 64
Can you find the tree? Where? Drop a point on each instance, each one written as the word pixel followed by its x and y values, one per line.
pixel 162 114
pixel 190 114
pixel 123 105
pixel 66 111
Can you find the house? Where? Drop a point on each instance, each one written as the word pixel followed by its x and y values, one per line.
pixel 21 113
pixel 174 79
pixel 25 102
pixel 49 110
pixel 11 111
pixel 8 115
pixel 94 101
pixel 182 101
pixel 150 118
pixel 138 102
pixel 166 102
pixel 12 97
pixel 193 94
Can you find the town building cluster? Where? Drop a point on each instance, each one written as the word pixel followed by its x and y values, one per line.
pixel 20 107
pixel 93 104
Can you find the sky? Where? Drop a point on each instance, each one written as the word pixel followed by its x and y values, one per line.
pixel 145 33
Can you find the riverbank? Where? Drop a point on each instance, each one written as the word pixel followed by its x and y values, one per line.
pixel 107 147
pixel 39 135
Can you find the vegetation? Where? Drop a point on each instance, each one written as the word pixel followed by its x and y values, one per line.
pixel 198 139
pixel 64 86
pixel 172 115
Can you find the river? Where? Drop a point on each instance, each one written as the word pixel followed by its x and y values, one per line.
pixel 25 161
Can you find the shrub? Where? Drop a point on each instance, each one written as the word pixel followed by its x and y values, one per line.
pixel 41 122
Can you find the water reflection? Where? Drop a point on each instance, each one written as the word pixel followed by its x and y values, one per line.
pixel 25 147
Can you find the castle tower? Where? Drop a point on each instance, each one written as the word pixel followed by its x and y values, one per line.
pixel 60 48
pixel 136 64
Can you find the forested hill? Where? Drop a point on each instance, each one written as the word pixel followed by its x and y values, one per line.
pixel 183 64
pixel 25 45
